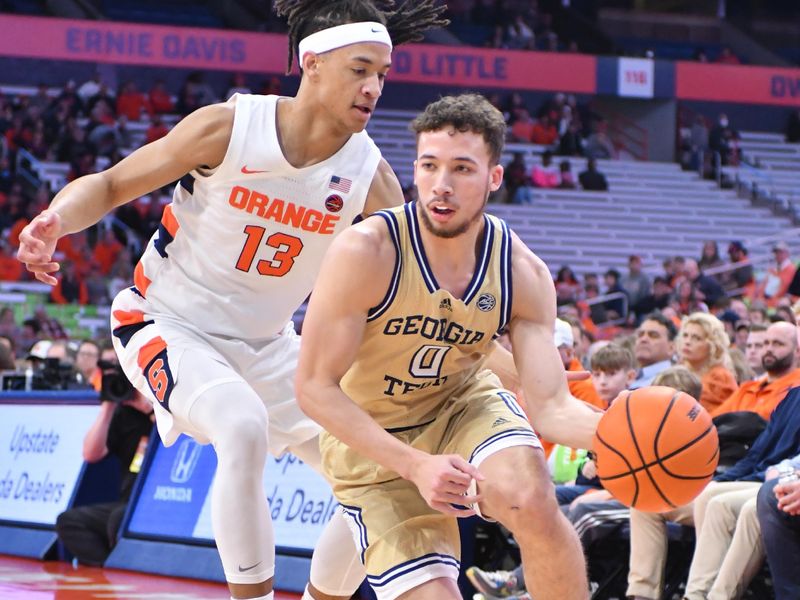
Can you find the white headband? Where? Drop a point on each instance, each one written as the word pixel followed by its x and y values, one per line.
pixel 343 35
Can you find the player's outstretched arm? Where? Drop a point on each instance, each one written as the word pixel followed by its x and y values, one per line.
pixel 354 277
pixel 201 139
pixel 553 411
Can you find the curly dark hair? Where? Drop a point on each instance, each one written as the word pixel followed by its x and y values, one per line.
pixel 405 23
pixel 465 112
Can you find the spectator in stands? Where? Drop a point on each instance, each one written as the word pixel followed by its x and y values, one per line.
pixel 546 174
pixel 710 289
pixel 728 551
pixel 780 361
pixel 753 345
pixel 571 142
pixel 793 127
pixel 7 359
pixel 544 132
pixel 122 429
pixel 514 103
pixel 156 130
pixel 779 276
pixel 636 283
pixel 90 87
pixel 568 288
pixel 654 348
pixel 779 516
pixel 709 256
pixel 698 142
pixel 86 362
pixel 522 127
pixel 238 86
pixel 63 350
pixel 96 284
pixel 121 274
pixel 702 346
pixel 740 277
pixel 687 300
pixel 71 287
pixel 658 299
pixel 567 179
pixel 73 143
pixel 722 139
pixel 519 35
pixel 69 99
pixel 9 328
pixel 613 285
pixel 103 95
pixel 41 99
pixel 599 144
pixel 784 313
pixel 132 103
pixel 517 181
pixel 196 92
pixel 727 57
pixel 160 99
pixel 591 179
pixel 8 272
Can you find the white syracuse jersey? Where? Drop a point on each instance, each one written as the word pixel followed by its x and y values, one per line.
pixel 239 247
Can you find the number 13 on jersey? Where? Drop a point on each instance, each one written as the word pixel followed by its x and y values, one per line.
pixel 287 248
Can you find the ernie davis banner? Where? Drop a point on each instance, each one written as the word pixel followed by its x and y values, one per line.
pixel 175 499
pixel 40 459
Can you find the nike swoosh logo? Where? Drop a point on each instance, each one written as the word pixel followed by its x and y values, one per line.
pixel 375 30
pixel 245 569
pixel 247 171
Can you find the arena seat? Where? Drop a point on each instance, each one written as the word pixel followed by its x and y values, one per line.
pixel 653 209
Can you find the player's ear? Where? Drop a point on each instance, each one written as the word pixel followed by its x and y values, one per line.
pixel 495 177
pixel 311 64
pixel 630 377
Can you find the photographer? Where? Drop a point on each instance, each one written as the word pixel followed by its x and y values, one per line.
pixel 122 428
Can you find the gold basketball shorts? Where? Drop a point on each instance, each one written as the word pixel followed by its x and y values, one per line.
pixel 403 542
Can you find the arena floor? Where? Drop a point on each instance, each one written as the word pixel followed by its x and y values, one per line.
pixel 23 579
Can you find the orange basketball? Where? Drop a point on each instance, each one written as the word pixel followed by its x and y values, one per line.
pixel 656 448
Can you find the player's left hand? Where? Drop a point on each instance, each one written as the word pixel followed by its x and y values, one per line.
pixel 444 481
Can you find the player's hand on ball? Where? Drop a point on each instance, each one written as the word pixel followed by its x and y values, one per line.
pixel 443 480
pixel 37 244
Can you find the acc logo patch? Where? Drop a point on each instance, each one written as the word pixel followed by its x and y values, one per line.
pixel 334 203
pixel 486 302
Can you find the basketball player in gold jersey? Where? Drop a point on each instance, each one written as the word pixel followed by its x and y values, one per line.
pixel 392 366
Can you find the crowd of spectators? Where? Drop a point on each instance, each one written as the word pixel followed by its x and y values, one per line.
pixel 560 127
pixel 743 365
pixel 91 126
pixel 510 24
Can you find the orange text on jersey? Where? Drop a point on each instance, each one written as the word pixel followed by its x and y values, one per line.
pixel 282 211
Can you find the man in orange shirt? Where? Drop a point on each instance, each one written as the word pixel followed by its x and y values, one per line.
pixel 780 360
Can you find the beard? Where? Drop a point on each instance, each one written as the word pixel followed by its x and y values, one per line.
pixel 773 364
pixel 459 229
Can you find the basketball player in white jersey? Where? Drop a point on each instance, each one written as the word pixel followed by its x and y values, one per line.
pixel 266 183
pixel 392 365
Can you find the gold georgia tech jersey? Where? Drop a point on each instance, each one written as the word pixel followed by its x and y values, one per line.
pixel 422 344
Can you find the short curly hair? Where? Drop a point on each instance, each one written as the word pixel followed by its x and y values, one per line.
pixel 716 337
pixel 465 112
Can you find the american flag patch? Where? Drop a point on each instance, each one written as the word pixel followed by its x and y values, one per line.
pixel 340 184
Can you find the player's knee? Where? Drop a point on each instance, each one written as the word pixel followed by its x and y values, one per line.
pixel 243 440
pixel 519 506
